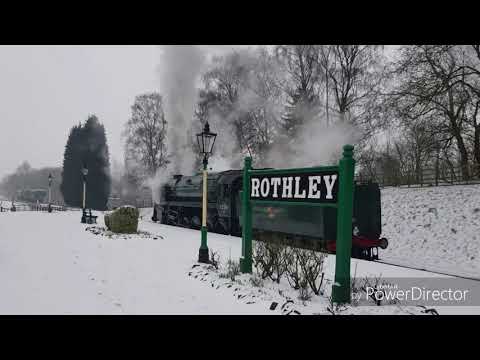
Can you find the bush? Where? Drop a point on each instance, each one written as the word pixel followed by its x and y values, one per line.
pixel 304 291
pixel 256 280
pixel 269 259
pixel 304 268
pixel 214 259
pixel 261 260
pixel 311 264
pixel 123 220
pixel 232 270
pixel 293 270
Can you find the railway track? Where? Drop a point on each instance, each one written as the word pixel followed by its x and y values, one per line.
pixel 428 270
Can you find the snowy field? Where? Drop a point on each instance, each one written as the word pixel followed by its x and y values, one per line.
pixel 436 228
pixel 50 264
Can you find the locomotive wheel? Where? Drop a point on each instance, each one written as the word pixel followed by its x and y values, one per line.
pixel 185 222
pixel 383 243
pixel 219 228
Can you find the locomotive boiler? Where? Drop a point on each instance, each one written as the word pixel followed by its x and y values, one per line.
pixel 181 205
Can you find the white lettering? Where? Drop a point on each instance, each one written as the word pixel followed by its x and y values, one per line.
pixel 287 187
pixel 459 292
pixel 275 183
pixel 297 189
pixel 264 187
pixel 329 184
pixel 255 187
pixel 399 295
pixel 419 293
pixel 379 295
pixel 313 192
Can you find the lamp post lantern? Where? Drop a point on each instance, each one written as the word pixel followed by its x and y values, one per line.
pixel 84 173
pixel 50 177
pixel 206 140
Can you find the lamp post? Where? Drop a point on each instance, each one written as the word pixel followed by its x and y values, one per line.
pixel 84 173
pixel 206 140
pixel 50 177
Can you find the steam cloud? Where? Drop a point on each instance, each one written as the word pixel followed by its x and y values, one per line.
pixel 315 143
pixel 181 67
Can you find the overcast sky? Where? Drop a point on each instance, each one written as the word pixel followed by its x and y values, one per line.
pixel 45 90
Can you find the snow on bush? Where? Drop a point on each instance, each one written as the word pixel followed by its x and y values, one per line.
pixel 123 220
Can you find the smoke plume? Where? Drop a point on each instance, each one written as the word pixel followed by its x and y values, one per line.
pixel 181 67
pixel 314 143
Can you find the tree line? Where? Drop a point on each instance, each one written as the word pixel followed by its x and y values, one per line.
pixel 86 146
pixel 26 178
pixel 261 98
pixel 431 107
pixel 411 107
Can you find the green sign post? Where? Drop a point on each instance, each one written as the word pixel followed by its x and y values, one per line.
pixel 326 186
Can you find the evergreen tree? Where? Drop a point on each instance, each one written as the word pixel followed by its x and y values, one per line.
pixel 87 145
pixel 95 154
pixel 301 108
pixel 71 186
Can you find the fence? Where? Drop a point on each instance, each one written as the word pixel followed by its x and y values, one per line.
pixel 31 207
pixel 426 177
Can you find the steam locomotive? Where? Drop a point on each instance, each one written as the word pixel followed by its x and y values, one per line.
pixel 181 205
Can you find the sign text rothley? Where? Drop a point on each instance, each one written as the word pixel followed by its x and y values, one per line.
pixel 318 187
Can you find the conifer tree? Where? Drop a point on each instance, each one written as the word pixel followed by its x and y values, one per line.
pixel 71 177
pixel 87 145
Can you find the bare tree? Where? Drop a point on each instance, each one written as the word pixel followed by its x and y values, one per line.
pixel 301 84
pixel 428 84
pixel 145 134
pixel 353 74
pixel 241 92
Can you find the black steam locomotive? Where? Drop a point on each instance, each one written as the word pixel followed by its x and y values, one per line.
pixel 181 205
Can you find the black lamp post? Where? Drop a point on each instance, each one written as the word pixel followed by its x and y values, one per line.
pixel 50 177
pixel 206 140
pixel 84 177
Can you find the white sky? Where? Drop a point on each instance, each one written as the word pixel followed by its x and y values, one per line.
pixel 45 90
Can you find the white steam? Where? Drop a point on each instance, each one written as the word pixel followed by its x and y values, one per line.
pixel 181 67
pixel 316 144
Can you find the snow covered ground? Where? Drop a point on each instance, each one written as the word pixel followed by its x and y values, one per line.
pixel 53 264
pixel 436 228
